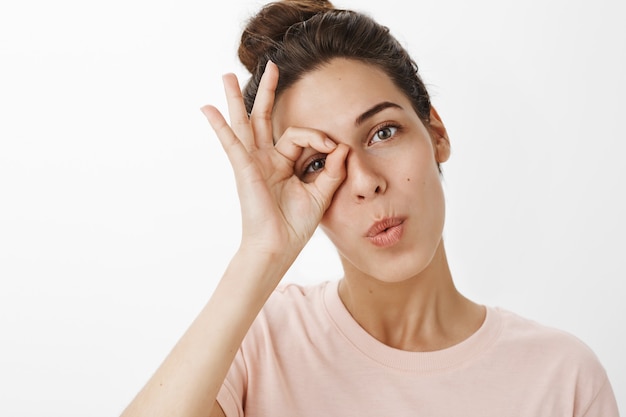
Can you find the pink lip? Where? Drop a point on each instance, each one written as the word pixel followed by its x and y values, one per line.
pixel 386 232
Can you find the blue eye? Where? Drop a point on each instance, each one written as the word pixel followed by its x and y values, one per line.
pixel 384 133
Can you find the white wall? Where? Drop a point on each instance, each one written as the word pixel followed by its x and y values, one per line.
pixel 118 212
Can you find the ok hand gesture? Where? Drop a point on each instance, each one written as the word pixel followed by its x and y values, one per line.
pixel 280 212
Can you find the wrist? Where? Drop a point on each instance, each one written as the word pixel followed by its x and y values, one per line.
pixel 257 269
pixel 276 257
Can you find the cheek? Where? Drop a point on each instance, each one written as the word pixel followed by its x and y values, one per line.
pixel 424 172
pixel 338 221
pixel 334 236
pixel 330 219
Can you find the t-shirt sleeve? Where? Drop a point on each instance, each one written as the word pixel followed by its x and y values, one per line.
pixel 593 396
pixel 603 404
pixel 232 394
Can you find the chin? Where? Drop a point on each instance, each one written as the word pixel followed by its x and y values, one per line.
pixel 397 269
pixel 398 275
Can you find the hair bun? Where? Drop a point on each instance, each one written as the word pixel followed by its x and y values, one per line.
pixel 268 27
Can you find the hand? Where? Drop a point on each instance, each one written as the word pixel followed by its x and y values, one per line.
pixel 280 212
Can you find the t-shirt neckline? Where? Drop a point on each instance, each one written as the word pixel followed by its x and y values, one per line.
pixel 440 360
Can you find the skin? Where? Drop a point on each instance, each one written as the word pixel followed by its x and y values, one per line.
pixel 301 161
pixel 402 294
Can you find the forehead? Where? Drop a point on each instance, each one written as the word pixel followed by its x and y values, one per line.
pixel 332 97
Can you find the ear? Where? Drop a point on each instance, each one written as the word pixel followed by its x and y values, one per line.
pixel 438 133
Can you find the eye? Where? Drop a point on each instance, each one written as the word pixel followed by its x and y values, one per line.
pixel 315 165
pixel 384 133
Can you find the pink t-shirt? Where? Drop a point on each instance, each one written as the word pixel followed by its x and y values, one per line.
pixel 306 356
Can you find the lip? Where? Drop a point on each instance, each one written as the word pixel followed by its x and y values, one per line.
pixel 386 232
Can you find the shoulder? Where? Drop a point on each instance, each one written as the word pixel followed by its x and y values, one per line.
pixel 292 311
pixel 555 360
pixel 295 297
pixel 534 336
pixel 554 353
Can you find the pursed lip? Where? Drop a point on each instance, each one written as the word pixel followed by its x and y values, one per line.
pixel 383 225
pixel 386 232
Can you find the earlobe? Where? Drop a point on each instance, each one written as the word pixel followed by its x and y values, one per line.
pixel 438 132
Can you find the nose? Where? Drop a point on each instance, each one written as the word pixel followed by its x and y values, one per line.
pixel 364 176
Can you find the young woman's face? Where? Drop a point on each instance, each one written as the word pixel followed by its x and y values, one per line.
pixel 386 219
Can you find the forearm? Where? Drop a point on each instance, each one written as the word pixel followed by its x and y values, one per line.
pixel 280 211
pixel 189 379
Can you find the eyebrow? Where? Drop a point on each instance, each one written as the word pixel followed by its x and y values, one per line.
pixel 375 109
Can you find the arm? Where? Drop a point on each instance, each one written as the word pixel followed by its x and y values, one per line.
pixel 189 379
pixel 279 215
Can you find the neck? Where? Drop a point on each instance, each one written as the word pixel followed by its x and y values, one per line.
pixel 422 313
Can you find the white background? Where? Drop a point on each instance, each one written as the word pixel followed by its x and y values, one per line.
pixel 118 212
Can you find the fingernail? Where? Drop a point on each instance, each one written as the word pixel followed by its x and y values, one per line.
pixel 330 143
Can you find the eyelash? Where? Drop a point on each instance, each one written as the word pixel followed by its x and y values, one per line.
pixel 387 125
pixel 308 167
pixel 313 160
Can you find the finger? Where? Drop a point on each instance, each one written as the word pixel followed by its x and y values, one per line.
pixel 239 121
pixel 235 150
pixel 261 115
pixel 331 177
pixel 293 142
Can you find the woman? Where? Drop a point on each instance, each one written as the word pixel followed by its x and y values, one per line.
pixel 335 129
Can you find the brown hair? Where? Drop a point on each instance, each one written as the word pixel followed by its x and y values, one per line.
pixel 302 35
